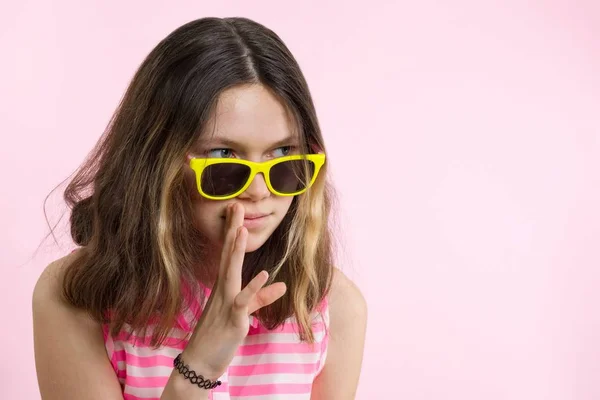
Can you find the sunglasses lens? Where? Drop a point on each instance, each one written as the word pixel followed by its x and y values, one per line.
pixel 224 179
pixel 291 176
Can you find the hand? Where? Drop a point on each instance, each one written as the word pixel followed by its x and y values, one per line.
pixel 224 322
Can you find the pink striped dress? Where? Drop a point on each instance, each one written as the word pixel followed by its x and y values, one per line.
pixel 269 365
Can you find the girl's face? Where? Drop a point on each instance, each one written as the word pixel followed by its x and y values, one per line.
pixel 251 124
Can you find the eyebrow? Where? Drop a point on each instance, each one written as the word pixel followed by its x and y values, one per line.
pixel 215 141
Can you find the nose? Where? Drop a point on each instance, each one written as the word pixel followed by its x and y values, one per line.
pixel 257 190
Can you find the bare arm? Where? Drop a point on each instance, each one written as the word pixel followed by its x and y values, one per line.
pixel 348 321
pixel 70 357
pixel 224 321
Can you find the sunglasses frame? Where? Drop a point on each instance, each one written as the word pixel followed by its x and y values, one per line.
pixel 198 165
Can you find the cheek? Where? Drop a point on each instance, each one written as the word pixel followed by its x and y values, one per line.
pixel 205 212
pixel 206 217
pixel 205 209
pixel 284 204
pixel 212 228
pixel 282 208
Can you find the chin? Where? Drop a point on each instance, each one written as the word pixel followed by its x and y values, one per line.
pixel 254 242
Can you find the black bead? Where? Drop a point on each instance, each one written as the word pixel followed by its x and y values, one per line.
pixel 191 375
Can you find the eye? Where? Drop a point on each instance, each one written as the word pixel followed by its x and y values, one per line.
pixel 283 151
pixel 220 153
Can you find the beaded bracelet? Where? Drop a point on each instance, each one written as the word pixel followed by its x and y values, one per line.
pixel 191 375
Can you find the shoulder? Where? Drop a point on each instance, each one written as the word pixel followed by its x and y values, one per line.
pixel 347 305
pixel 65 336
pixel 48 303
pixel 348 321
pixel 49 285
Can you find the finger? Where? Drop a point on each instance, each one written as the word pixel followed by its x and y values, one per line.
pixel 233 272
pixel 236 221
pixel 266 296
pixel 243 298
pixel 229 240
pixel 255 296
pixel 237 217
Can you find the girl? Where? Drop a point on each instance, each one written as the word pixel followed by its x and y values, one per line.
pixel 205 263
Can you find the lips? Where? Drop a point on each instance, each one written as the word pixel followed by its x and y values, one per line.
pixel 254 216
pixel 251 216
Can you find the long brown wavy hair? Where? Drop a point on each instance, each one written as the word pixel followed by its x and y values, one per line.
pixel 131 212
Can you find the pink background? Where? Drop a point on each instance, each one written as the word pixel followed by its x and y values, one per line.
pixel 465 143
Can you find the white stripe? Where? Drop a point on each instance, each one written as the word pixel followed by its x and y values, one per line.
pixel 149 392
pixel 292 358
pixel 224 396
pixel 150 352
pixel 313 316
pixel 268 379
pixel 145 372
pixel 190 318
pixel 322 362
pixel 110 346
pixel 174 332
pixel 262 338
pixel 258 359
pixel 159 371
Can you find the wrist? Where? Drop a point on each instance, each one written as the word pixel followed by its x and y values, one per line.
pixel 191 359
pixel 179 388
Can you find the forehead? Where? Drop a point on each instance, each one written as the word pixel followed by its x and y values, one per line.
pixel 250 116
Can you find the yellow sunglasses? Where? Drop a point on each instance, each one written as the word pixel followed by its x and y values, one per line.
pixel 226 178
